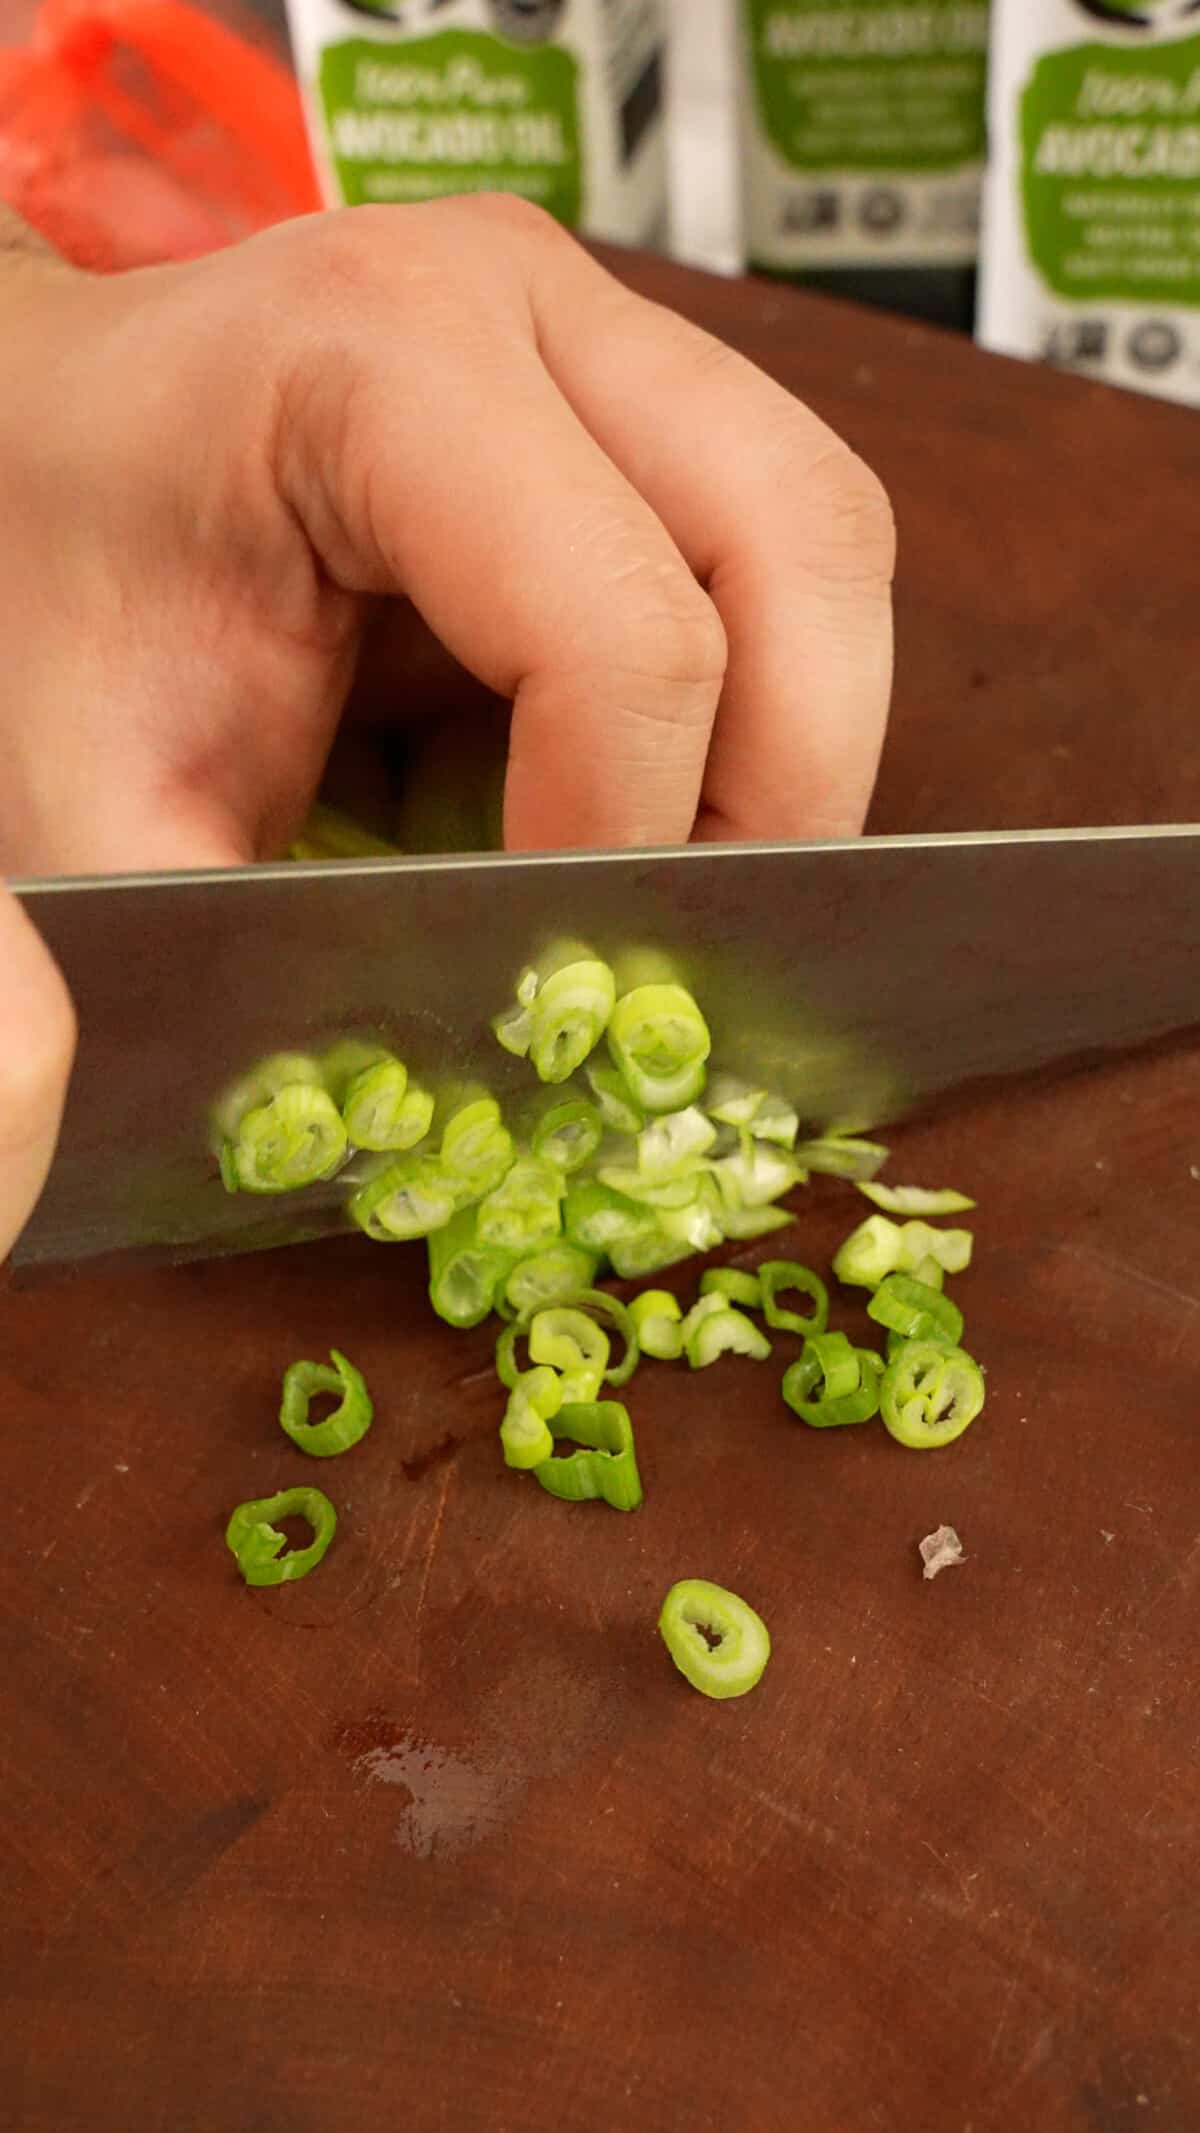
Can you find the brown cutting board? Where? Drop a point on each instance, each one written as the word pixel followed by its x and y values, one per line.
pixel 438 1839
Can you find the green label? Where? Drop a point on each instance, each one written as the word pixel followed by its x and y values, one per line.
pixel 863 86
pixel 457 112
pixel 1110 164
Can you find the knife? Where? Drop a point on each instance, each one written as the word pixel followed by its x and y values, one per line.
pixel 863 980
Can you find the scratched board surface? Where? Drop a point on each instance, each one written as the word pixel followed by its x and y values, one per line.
pixel 438 1838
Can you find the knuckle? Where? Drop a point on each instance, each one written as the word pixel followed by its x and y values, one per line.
pixel 679 639
pixel 508 213
pixel 855 521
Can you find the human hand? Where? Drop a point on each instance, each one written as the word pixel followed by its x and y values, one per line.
pixel 215 473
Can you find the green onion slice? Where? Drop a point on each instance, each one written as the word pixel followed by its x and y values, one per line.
pixel 718 1643
pixel 915 1311
pixel 674 1143
pixel 604 1469
pixel 294 1139
pixel 597 1217
pixel 464 1275
pixel 776 1277
pixel 742 1224
pixel 650 1251
pixel 525 1431
pixel 842 1156
pixel 383 1110
pixel 660 1041
pixel 721 1331
pixel 524 1211
pixel 258 1545
pixel 476 1145
pixel 568 1016
pixel 568 1340
pixel 657 1318
pixel 828 1358
pixel 930 1394
pixel 410 1197
pixel 567 1133
pixel 736 1287
pixel 513 1028
pixel 915 1199
pixel 351 1418
pixel 613 1100
pixel 550 1276
pixel 755 1176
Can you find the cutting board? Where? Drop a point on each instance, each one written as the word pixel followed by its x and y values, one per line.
pixel 438 1839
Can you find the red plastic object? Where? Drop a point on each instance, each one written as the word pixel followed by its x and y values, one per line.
pixel 142 130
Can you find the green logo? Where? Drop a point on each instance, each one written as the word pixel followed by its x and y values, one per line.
pixel 1110 171
pixel 452 113
pixel 895 87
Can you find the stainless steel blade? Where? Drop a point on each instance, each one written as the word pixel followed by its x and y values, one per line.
pixel 862 979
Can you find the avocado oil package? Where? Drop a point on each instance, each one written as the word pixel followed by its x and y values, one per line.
pixel 561 101
pixel 862 136
pixel 1091 255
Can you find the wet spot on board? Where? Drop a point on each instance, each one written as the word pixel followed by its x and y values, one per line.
pixel 448 1801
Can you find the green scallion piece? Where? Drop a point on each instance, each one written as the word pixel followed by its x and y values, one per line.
pixel 465 1276
pixel 292 1140
pixel 826 1357
pixel 723 1331
pixel 351 1418
pixel 551 1276
pixel 525 1431
pixel 568 1016
pixel 382 1110
pixel 258 1545
pixel 776 1277
pixel 598 1218
pixel 659 1040
pixel 915 1199
pixel 650 1251
pixel 604 1469
pixel 476 1146
pixel 718 1643
pixel 567 1133
pixel 842 1156
pixel 734 1286
pixel 410 1197
pixel 915 1311
pixel 613 1100
pixel 658 1319
pixel 567 1339
pixel 930 1394
pixel 524 1211
pixel 673 1144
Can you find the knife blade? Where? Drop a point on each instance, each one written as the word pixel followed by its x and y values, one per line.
pixel 863 980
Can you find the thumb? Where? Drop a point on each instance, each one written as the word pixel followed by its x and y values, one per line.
pixel 37 1046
